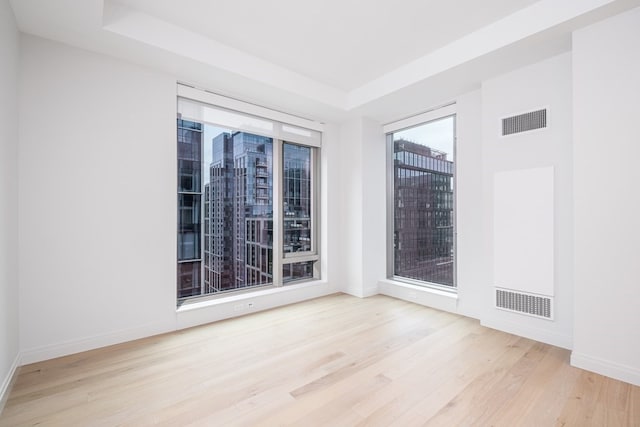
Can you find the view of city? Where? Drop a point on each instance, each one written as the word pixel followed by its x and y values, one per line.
pixel 424 203
pixel 225 209
pixel 226 205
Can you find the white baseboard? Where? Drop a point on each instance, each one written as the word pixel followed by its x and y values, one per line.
pixel 607 368
pixel 531 332
pixel 370 291
pixel 38 354
pixel 197 314
pixel 8 381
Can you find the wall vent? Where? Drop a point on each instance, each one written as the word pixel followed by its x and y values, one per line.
pixel 523 303
pixel 524 122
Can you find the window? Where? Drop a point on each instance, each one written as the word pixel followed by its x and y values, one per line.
pixel 422 201
pixel 246 199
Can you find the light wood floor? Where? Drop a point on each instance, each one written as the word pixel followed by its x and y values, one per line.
pixel 334 361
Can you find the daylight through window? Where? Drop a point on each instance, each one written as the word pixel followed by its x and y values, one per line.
pixel 246 201
pixel 423 235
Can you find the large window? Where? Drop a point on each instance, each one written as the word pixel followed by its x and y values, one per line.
pixel 246 201
pixel 422 203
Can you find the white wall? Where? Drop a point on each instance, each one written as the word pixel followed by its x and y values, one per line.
pixel 471 271
pixel 349 170
pixel 9 341
pixel 98 206
pixel 480 153
pixel 544 84
pixel 606 85
pixel 362 222
pixel 97 202
pixel 374 222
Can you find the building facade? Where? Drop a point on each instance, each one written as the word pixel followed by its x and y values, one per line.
pixel 423 213
pixel 238 213
pixel 189 208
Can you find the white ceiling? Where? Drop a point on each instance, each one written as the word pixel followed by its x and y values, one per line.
pixel 329 59
pixel 341 43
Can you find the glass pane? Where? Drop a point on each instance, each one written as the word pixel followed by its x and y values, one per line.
pixel 189 159
pixel 188 226
pixel 188 279
pixel 423 202
pixel 234 200
pixel 297 198
pixel 239 198
pixel 297 271
pixel 189 155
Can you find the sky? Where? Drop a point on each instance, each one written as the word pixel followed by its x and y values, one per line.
pixel 210 132
pixel 438 135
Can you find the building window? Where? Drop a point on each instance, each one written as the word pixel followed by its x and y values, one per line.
pixel 246 201
pixel 422 203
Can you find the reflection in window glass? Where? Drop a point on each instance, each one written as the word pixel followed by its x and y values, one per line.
pixel 188 226
pixel 188 279
pixel 423 246
pixel 297 271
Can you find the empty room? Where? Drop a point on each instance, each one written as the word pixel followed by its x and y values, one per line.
pixel 338 213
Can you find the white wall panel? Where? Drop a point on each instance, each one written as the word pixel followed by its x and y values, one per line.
pixel 523 230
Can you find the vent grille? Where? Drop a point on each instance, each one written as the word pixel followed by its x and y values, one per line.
pixel 524 122
pixel 519 302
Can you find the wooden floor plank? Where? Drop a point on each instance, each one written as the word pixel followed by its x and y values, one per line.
pixel 334 361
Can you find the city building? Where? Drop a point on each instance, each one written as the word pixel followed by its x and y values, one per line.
pixel 189 201
pixel 238 214
pixel 423 213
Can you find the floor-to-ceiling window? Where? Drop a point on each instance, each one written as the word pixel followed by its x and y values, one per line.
pixel 422 202
pixel 247 200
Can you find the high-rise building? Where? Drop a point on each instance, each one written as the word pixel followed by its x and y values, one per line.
pixel 239 212
pixel 189 199
pixel 253 214
pixel 219 267
pixel 423 213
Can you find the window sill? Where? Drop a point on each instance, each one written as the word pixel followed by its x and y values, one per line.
pixel 228 306
pixel 245 296
pixel 423 295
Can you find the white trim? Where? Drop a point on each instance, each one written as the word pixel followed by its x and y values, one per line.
pixel 8 381
pixel 277 209
pixel 428 116
pixel 65 348
pixel 240 304
pixel 245 107
pixel 429 297
pixel 607 368
pixel 534 333
pixel 197 313
pixel 292 257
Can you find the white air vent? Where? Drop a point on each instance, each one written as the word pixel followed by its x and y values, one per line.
pixel 519 302
pixel 524 122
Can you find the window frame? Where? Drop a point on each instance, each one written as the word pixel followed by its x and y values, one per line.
pixel 285 126
pixel 314 253
pixel 389 130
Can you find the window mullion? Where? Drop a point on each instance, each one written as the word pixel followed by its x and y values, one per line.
pixel 278 235
pixel 315 191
